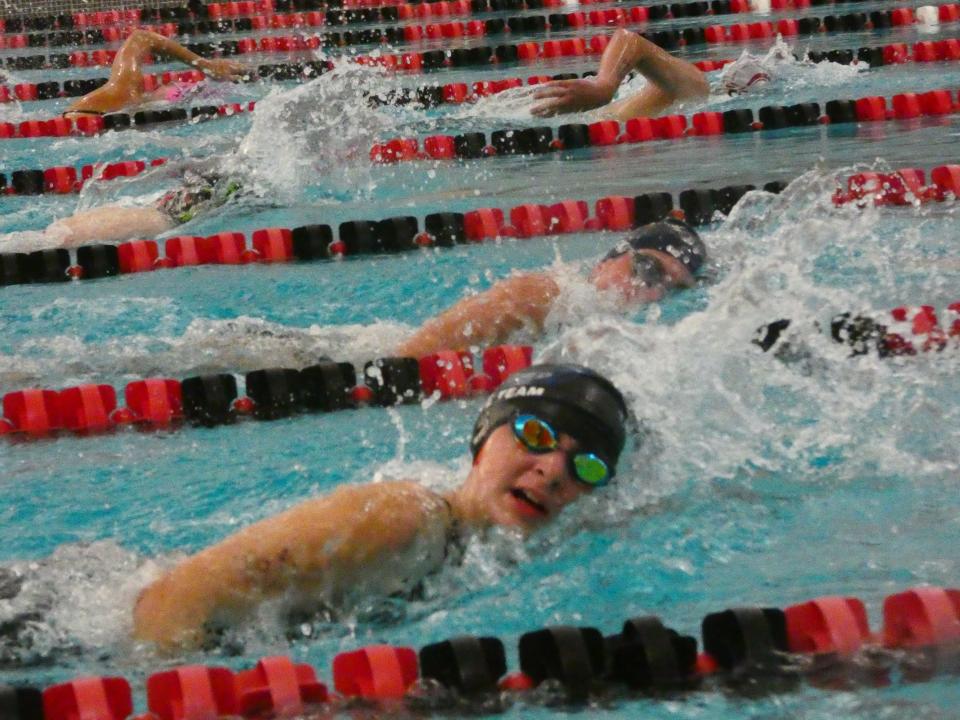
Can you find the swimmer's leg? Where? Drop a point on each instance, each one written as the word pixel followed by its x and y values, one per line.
pixel 108 224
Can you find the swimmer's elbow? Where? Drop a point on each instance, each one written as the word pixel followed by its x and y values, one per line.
pixel 700 88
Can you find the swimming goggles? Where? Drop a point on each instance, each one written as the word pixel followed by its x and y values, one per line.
pixel 538 436
pixel 646 268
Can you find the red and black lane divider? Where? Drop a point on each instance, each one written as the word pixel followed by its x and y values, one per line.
pixel 524 51
pixel 907 186
pixel 28 92
pixel 88 126
pixel 875 56
pixel 309 243
pixel 316 242
pixel 271 393
pixel 571 136
pixel 905 331
pixel 667 39
pixel 65 179
pixel 763 644
pixel 403 12
pixel 103 18
pixel 116 27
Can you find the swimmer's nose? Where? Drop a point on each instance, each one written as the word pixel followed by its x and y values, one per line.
pixel 552 466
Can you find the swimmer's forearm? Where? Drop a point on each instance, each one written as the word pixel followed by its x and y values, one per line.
pixel 485 319
pixel 629 51
pixel 619 58
pixel 165 46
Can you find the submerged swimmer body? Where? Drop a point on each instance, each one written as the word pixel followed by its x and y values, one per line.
pixel 114 223
pixel 655 259
pixel 124 88
pixel 549 435
pixel 669 80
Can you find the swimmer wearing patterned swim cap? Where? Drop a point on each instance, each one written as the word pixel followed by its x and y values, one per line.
pixel 548 436
pixel 652 262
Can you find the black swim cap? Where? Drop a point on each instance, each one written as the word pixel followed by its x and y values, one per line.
pixel 671 236
pixel 572 398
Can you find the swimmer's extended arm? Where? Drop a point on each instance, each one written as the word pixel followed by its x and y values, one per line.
pixel 486 319
pixel 670 79
pixel 125 85
pixel 321 543
pixel 150 42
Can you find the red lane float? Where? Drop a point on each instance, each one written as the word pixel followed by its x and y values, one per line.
pixel 376 671
pixel 154 401
pixel 827 625
pixel 278 687
pixel 192 692
pixel 107 698
pixel 921 617
pixel 900 187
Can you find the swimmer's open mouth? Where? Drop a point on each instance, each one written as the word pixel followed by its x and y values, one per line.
pixel 523 497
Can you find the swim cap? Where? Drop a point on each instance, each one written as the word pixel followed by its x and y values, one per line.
pixel 671 236
pixel 738 77
pixel 573 398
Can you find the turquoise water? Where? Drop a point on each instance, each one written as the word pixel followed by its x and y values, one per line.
pixel 759 482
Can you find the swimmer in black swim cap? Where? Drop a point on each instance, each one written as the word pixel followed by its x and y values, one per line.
pixel 547 436
pixel 655 259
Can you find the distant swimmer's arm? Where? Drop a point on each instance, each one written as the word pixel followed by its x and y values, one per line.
pixel 316 544
pixel 125 86
pixel 488 318
pixel 216 68
pixel 670 79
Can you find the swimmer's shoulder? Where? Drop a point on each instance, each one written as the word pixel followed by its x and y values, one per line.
pixel 372 515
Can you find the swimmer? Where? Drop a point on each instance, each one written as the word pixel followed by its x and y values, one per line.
pixel 669 80
pixel 657 258
pixel 124 89
pixel 549 435
pixel 199 192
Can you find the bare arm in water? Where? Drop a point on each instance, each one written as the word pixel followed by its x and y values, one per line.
pixel 357 535
pixel 124 88
pixel 488 318
pixel 108 224
pixel 669 79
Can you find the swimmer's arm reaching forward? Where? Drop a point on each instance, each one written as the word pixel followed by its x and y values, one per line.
pixel 125 85
pixel 327 544
pixel 669 79
pixel 486 319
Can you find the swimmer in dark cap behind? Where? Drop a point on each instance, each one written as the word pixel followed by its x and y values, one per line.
pixel 548 435
pixel 643 268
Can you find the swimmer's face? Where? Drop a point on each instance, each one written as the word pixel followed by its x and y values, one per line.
pixel 513 487
pixel 619 275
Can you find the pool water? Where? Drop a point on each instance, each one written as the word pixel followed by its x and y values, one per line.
pixel 756 481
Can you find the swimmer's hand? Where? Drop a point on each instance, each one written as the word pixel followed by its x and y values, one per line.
pixel 220 69
pixel 564 96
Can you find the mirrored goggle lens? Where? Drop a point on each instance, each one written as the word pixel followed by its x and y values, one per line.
pixel 590 469
pixel 534 433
